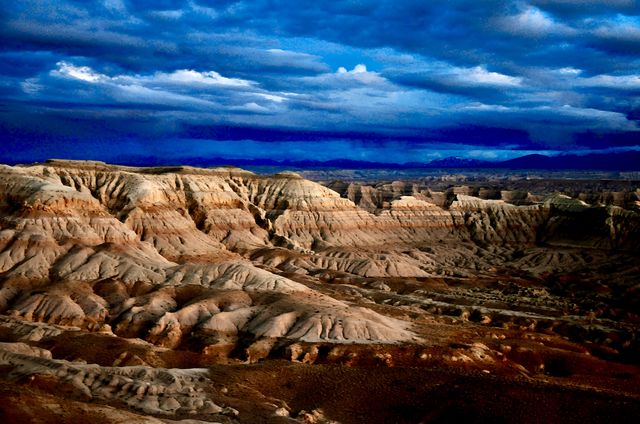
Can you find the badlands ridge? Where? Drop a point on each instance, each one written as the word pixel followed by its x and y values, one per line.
pixel 150 293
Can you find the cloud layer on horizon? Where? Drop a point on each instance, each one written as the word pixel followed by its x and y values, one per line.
pixel 524 75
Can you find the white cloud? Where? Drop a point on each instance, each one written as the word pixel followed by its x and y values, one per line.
pixel 480 76
pixel 191 77
pixel 272 97
pixel 187 77
pixel 252 107
pixel 623 29
pixel 203 10
pixel 444 74
pixel 83 73
pixel 135 93
pixel 482 107
pixel 184 88
pixel 31 86
pixel 547 122
pixel 533 19
pixel 569 71
pixel 358 69
pixel 569 115
pixel 532 22
pixel 280 58
pixel 168 14
pixel 115 5
pixel 598 118
pixel 622 82
pixel 359 73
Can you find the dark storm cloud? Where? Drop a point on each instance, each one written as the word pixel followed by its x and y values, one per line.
pixel 559 73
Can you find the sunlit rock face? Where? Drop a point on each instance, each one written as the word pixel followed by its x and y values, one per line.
pixel 123 285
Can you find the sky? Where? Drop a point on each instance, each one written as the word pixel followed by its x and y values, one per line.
pixel 385 81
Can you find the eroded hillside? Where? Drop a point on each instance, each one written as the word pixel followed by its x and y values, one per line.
pixel 143 292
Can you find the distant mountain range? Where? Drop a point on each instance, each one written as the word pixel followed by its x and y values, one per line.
pixel 625 161
pixel 621 161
